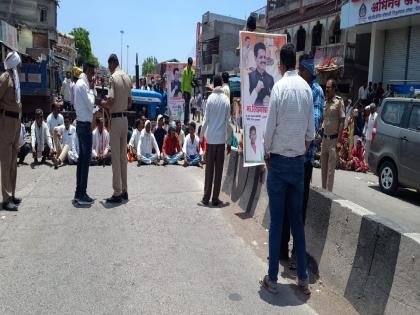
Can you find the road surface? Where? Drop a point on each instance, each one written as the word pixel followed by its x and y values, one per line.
pixel 363 189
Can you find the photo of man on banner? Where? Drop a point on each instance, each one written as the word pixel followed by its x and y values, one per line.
pixel 175 100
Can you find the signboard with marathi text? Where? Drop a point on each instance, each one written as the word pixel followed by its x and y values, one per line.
pixel 260 58
pixel 358 12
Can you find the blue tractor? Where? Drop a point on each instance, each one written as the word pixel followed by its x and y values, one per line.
pixel 147 103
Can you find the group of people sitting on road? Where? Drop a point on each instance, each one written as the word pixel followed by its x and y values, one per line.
pixel 55 139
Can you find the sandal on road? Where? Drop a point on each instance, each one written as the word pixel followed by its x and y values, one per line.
pixel 269 285
pixel 304 286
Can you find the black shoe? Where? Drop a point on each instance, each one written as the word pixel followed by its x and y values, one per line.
pixel 43 160
pixel 89 199
pixel 124 196
pixel 21 161
pixel 9 206
pixel 114 199
pixel 84 200
pixel 216 203
pixel 16 201
pixel 203 203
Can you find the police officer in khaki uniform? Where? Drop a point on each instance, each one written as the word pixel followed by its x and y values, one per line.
pixel 332 125
pixel 10 112
pixel 119 99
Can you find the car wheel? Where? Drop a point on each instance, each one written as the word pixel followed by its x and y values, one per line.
pixel 388 178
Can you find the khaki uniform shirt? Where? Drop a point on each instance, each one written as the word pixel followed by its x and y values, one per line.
pixel 333 113
pixel 119 90
pixel 8 94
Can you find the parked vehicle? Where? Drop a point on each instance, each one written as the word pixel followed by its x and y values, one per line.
pixel 395 152
pixel 147 103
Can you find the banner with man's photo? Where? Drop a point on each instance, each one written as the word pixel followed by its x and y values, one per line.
pixel 175 101
pixel 260 58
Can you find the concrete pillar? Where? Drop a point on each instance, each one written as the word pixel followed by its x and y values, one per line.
pixel 376 58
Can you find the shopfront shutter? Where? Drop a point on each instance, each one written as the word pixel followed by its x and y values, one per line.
pixel 414 57
pixel 395 56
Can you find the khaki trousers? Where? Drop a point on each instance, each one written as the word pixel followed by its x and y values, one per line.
pixel 118 139
pixel 62 150
pixel 328 162
pixel 9 146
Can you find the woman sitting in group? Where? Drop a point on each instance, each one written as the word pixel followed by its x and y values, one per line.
pixel 357 159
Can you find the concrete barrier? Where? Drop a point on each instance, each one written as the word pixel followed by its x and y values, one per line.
pixel 370 261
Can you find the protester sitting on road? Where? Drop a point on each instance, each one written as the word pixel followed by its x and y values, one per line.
pixel 63 138
pixel 171 149
pixel 54 119
pixel 343 156
pixel 180 133
pixel 357 159
pixel 134 141
pixel 147 143
pixel 24 145
pixel 191 147
pixel 42 145
pixel 101 150
pixel 160 132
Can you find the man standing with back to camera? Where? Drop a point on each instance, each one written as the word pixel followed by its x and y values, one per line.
pixel 119 99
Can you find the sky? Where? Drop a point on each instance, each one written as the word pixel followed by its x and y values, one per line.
pixel 164 29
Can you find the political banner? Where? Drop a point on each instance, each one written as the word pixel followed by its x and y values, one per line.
pixel 260 58
pixel 175 101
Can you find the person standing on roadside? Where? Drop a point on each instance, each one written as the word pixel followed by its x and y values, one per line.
pixel 186 89
pixel 370 129
pixel 307 72
pixel 333 124
pixel 83 104
pixel 118 101
pixel 219 135
pixel 10 115
pixel 289 132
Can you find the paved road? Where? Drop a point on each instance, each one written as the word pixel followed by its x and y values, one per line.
pixel 363 189
pixel 158 254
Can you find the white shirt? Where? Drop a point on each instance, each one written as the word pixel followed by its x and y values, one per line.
pixel 66 88
pixel 22 135
pixel 290 119
pixel 362 93
pixel 147 143
pixel 191 148
pixel 100 142
pixel 74 152
pixel 217 119
pixel 134 140
pixel 53 122
pixel 181 138
pixel 370 126
pixel 83 102
pixel 67 135
pixel 40 136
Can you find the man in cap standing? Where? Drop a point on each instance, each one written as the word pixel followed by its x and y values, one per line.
pixel 10 112
pixel 119 99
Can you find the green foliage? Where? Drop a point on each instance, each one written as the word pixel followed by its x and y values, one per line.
pixel 149 66
pixel 84 48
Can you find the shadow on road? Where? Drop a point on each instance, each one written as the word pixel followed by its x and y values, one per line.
pixel 403 194
pixel 281 299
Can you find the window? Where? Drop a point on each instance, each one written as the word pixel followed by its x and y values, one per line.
pixel 415 118
pixel 43 14
pixel 393 112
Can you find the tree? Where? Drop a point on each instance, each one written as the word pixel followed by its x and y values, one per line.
pixel 84 48
pixel 149 65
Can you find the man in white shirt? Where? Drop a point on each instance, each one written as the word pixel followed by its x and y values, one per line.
pixel 147 143
pixel 101 153
pixel 134 140
pixel 55 119
pixel 363 94
pixel 219 135
pixel 41 141
pixel 66 91
pixel 289 132
pixel 63 137
pixel 73 154
pixel 370 129
pixel 180 133
pixel 83 103
pixel 191 148
pixel 24 145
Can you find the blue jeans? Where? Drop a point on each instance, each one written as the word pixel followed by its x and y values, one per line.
pixel 285 187
pixel 194 159
pixel 148 158
pixel 173 159
pixel 84 135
